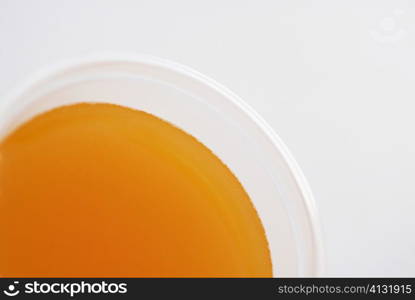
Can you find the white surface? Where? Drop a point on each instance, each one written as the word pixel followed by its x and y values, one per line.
pixel 335 79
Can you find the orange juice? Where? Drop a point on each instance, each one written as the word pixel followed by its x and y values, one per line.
pixel 99 190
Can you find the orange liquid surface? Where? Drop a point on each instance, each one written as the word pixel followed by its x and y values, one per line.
pixel 98 190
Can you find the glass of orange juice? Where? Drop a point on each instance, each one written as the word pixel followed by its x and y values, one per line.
pixel 124 166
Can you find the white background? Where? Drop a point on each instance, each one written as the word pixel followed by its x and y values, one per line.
pixel 335 79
